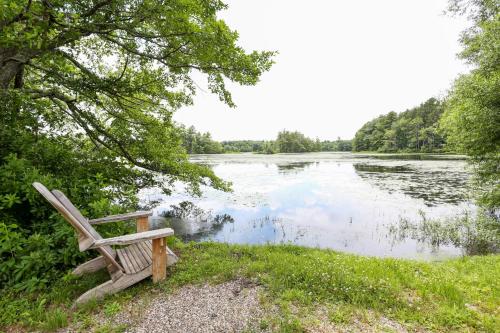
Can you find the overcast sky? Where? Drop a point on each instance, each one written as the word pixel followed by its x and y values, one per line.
pixel 340 64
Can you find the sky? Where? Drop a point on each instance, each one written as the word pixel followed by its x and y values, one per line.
pixel 340 64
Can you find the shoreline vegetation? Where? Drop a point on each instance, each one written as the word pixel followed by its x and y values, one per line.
pixel 301 287
pixel 195 142
pixel 413 131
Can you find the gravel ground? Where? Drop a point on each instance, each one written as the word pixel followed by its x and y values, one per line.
pixel 228 307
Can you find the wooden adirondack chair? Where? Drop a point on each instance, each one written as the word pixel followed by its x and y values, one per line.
pixel 146 253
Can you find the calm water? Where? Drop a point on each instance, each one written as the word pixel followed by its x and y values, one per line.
pixel 340 201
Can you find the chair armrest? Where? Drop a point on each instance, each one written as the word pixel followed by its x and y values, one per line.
pixel 121 217
pixel 133 238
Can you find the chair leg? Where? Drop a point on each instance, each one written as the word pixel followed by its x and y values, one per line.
pixel 111 287
pixel 171 257
pixel 159 260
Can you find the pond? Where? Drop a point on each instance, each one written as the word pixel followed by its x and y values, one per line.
pixel 341 201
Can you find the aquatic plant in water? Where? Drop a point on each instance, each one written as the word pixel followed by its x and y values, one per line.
pixel 475 234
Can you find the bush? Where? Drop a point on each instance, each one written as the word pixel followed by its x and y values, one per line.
pixel 36 244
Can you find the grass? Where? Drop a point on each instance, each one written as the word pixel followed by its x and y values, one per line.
pixel 54 320
pixel 455 295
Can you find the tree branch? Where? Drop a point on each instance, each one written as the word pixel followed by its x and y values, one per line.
pixel 94 9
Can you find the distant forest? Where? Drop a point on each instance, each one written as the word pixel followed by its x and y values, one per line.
pixel 286 142
pixel 414 130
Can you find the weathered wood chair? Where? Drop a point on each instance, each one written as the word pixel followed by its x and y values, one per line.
pixel 145 255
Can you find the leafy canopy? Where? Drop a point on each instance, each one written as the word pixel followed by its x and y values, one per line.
pixel 116 70
pixel 472 116
pixel 87 92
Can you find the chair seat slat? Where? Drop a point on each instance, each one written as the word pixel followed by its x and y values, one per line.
pixel 146 250
pixel 138 257
pixel 125 261
pixel 133 260
pixel 145 258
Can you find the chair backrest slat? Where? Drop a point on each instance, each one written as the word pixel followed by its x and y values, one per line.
pixel 83 221
pixel 62 210
pixel 78 221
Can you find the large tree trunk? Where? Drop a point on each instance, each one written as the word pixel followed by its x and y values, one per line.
pixel 11 67
pixel 8 72
pixel 19 78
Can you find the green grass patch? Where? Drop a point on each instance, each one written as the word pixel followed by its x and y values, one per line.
pixel 458 295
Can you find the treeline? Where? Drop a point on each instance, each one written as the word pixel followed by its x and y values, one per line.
pixel 199 143
pixel 243 146
pixel 286 142
pixel 296 142
pixel 414 130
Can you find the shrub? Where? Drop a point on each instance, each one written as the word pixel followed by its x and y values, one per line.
pixel 36 244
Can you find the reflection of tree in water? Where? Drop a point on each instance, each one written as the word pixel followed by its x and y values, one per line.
pixel 185 209
pixel 191 222
pixel 293 167
pixel 382 168
pixel 433 187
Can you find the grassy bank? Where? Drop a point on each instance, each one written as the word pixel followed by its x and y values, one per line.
pixel 459 295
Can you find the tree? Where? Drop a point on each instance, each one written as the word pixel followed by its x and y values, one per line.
pixel 116 70
pixel 268 147
pixel 242 146
pixel 416 124
pixel 472 116
pixel 406 131
pixel 199 143
pixel 87 93
pixel 294 142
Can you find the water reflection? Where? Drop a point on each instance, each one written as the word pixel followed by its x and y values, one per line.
pixel 294 166
pixel 331 200
pixel 191 222
pixel 373 168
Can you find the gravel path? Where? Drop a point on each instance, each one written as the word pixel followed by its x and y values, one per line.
pixel 228 307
